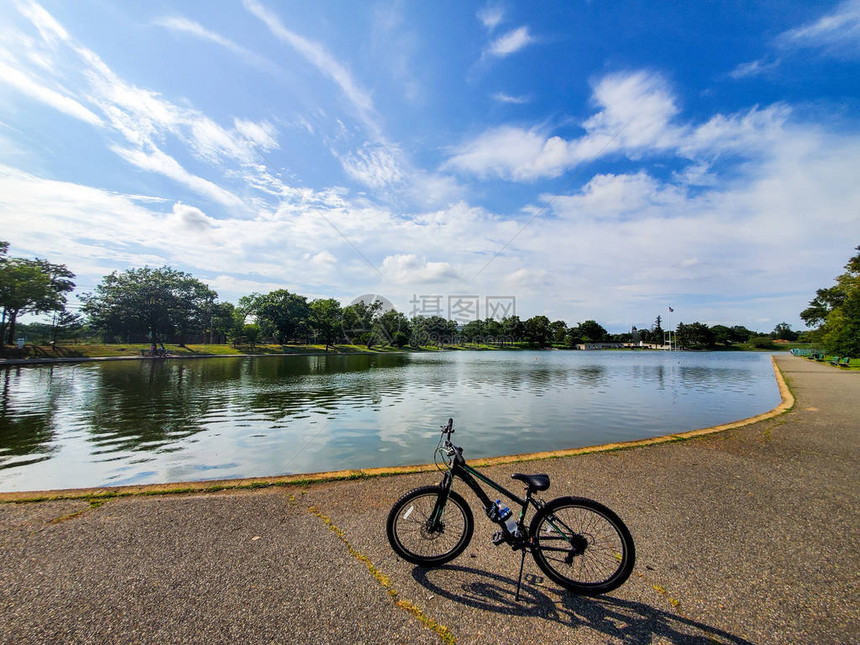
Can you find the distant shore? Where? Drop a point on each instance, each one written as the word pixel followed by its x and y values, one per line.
pixel 46 354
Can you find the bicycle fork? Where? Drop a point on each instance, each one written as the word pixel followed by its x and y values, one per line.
pixel 434 522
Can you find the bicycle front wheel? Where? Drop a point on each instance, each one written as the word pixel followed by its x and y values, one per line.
pixel 582 545
pixel 416 539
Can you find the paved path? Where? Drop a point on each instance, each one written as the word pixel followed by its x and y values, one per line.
pixel 748 536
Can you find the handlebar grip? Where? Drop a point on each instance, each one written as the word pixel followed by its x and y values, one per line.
pixel 450 427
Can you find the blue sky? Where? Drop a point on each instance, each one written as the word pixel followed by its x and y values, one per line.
pixel 589 159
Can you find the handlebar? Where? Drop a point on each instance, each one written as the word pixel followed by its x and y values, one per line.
pixel 449 428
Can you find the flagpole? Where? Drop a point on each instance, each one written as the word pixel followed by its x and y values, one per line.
pixel 669 328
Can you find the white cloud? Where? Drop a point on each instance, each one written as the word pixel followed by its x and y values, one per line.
pixel 510 43
pixel 409 268
pixel 637 116
pixel 514 153
pixel 375 166
pixel 322 260
pixel 636 107
pixel 754 68
pixel 143 118
pixel 48 27
pixel 619 197
pixel 501 97
pixel 836 33
pixel 192 218
pixel 163 164
pixel 56 100
pixel 184 25
pixel 317 55
pixel 490 16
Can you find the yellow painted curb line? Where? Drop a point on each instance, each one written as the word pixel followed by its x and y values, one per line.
pixel 337 475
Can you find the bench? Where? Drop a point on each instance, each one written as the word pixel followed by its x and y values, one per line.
pixel 845 362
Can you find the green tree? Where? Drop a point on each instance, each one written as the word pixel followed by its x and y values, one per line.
pixel 30 287
pixel 537 331
pixel 326 320
pixel 474 331
pixel 64 324
pixel 837 310
pixel 513 328
pixel 783 331
pixel 359 319
pixel 741 334
pixel 158 303
pixel 493 332
pixel 393 327
pixel 658 336
pixel 434 330
pixel 722 334
pixel 591 331
pixel 558 330
pixel 694 336
pixel 228 323
pixel 282 314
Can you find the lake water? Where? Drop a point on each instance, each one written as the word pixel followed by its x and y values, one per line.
pixel 150 421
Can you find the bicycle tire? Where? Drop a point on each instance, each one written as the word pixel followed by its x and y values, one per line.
pixel 408 533
pixel 582 545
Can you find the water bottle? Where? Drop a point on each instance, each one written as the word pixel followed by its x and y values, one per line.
pixel 506 516
pixel 502 511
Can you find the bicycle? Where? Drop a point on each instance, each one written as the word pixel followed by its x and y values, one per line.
pixel 578 543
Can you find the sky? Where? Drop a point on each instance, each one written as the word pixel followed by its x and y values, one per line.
pixel 575 159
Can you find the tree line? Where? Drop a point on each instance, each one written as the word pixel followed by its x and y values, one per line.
pixel 166 305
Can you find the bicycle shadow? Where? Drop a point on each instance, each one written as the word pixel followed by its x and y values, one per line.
pixel 625 620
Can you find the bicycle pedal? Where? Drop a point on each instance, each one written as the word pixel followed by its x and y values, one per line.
pixel 498 537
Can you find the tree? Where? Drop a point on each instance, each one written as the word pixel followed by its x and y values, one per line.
pixel 513 328
pixel 358 321
pixel 741 334
pixel 722 334
pixel 157 303
pixel 783 332
pixel 282 314
pixel 326 320
pixel 694 336
pixel 591 331
pixel 393 327
pixel 837 312
pixel 433 329
pixel 64 324
pixel 558 330
pixel 658 336
pixel 537 331
pixel 30 286
pixel 228 323
pixel 474 331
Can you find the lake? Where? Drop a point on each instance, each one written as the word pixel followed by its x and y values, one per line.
pixel 152 421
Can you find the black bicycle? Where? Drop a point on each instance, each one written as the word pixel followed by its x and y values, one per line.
pixel 579 543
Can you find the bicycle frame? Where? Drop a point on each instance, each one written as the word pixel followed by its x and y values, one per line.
pixel 468 474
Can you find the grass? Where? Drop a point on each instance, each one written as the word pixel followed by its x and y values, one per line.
pixel 114 350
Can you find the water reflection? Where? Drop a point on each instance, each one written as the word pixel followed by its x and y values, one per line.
pixel 148 421
pixel 26 417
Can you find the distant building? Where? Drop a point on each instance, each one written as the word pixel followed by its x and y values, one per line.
pixel 590 346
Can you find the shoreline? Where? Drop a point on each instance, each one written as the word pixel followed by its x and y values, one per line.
pixel 49 360
pixel 299 479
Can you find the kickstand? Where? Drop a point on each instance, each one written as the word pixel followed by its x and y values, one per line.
pixel 520 579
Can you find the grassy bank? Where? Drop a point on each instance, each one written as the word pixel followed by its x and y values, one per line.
pixel 139 349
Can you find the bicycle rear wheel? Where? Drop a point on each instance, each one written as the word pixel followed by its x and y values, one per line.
pixel 582 545
pixel 414 539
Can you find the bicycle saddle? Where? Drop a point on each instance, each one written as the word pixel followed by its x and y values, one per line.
pixel 534 482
